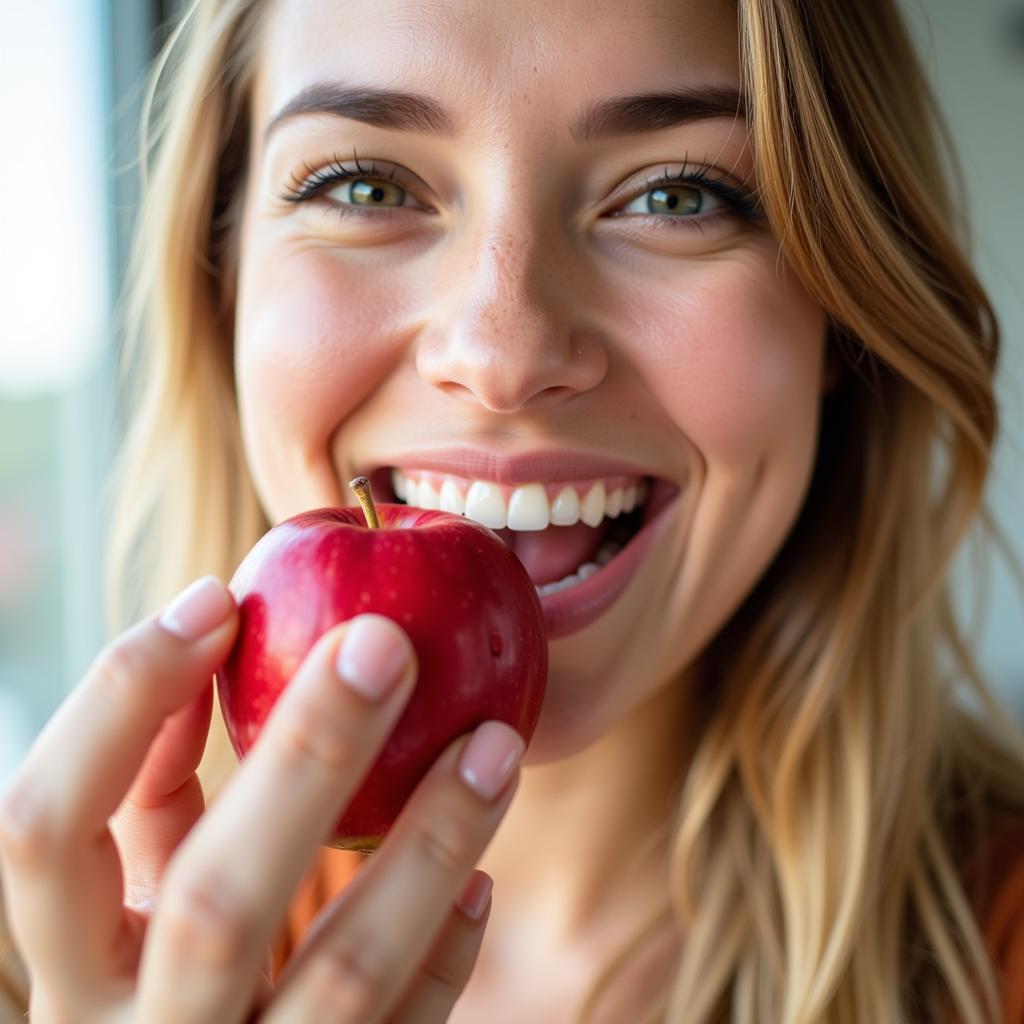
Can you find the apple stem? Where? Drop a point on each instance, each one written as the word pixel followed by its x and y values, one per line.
pixel 362 488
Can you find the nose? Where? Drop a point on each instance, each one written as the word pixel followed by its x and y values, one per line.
pixel 507 332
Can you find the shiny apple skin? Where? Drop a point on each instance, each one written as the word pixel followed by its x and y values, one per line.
pixel 464 599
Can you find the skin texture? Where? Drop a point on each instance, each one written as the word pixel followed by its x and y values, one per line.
pixel 501 303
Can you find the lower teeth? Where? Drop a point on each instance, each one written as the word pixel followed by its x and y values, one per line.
pixel 608 550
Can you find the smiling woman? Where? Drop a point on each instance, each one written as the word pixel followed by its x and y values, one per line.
pixel 686 266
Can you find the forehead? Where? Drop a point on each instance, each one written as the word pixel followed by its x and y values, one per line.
pixel 492 60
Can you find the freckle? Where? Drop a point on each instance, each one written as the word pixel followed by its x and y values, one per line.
pixel 392 595
pixel 407 618
pixel 364 597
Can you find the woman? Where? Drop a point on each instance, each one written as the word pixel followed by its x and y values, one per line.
pixel 704 248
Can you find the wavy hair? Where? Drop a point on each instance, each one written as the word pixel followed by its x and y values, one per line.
pixel 851 755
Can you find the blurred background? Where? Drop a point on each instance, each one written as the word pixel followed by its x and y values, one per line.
pixel 70 90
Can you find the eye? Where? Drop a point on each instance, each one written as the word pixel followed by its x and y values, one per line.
pixel 695 197
pixel 675 200
pixel 367 193
pixel 352 191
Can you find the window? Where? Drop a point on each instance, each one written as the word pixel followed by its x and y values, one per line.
pixel 69 91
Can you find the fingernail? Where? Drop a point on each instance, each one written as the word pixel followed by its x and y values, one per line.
pixel 473 899
pixel 372 657
pixel 490 758
pixel 199 608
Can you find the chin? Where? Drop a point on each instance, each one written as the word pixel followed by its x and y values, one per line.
pixel 571 719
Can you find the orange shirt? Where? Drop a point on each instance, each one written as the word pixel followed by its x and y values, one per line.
pixel 1003 921
pixel 328 875
pixel 1002 917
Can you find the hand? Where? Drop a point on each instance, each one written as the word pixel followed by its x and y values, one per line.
pixel 130 902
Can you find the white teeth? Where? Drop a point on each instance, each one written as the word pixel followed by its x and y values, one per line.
pixel 565 509
pixel 528 508
pixel 426 496
pixel 613 505
pixel 398 482
pixel 563 584
pixel 592 507
pixel 451 498
pixel 485 504
pixel 608 550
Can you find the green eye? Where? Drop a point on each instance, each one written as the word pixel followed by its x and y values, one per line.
pixel 677 200
pixel 682 200
pixel 363 192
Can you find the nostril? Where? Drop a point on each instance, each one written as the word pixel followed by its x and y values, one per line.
pixel 558 391
pixel 455 389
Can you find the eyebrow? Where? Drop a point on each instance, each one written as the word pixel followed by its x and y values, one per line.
pixel 414 112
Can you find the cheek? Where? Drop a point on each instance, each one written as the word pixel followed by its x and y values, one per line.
pixel 311 343
pixel 735 358
pixel 306 342
pixel 743 387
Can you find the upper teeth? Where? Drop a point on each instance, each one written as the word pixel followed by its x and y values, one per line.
pixel 526 507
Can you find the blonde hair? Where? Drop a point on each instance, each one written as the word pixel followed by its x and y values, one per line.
pixel 842 778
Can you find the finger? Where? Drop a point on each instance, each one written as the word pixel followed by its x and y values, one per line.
pixel 444 973
pixel 64 873
pixel 164 802
pixel 227 889
pixel 374 938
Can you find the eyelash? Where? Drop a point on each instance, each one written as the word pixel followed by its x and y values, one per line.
pixel 739 201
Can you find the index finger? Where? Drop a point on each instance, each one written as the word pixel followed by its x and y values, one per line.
pixel 227 887
pixel 86 758
pixel 64 869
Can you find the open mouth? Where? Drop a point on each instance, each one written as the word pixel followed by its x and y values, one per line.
pixel 585 530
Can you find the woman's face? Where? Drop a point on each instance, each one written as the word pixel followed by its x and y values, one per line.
pixel 501 275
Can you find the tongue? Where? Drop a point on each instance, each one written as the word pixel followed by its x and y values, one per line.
pixel 554 553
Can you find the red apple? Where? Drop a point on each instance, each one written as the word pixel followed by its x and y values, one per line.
pixel 465 600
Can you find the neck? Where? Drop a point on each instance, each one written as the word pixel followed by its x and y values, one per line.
pixel 584 848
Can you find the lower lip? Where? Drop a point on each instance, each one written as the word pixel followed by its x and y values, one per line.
pixel 570 610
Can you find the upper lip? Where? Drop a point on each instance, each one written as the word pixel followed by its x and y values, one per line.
pixel 519 468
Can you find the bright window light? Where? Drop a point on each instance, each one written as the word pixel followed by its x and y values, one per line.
pixel 54 270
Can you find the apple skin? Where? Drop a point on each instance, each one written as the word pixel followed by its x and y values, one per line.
pixel 464 599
